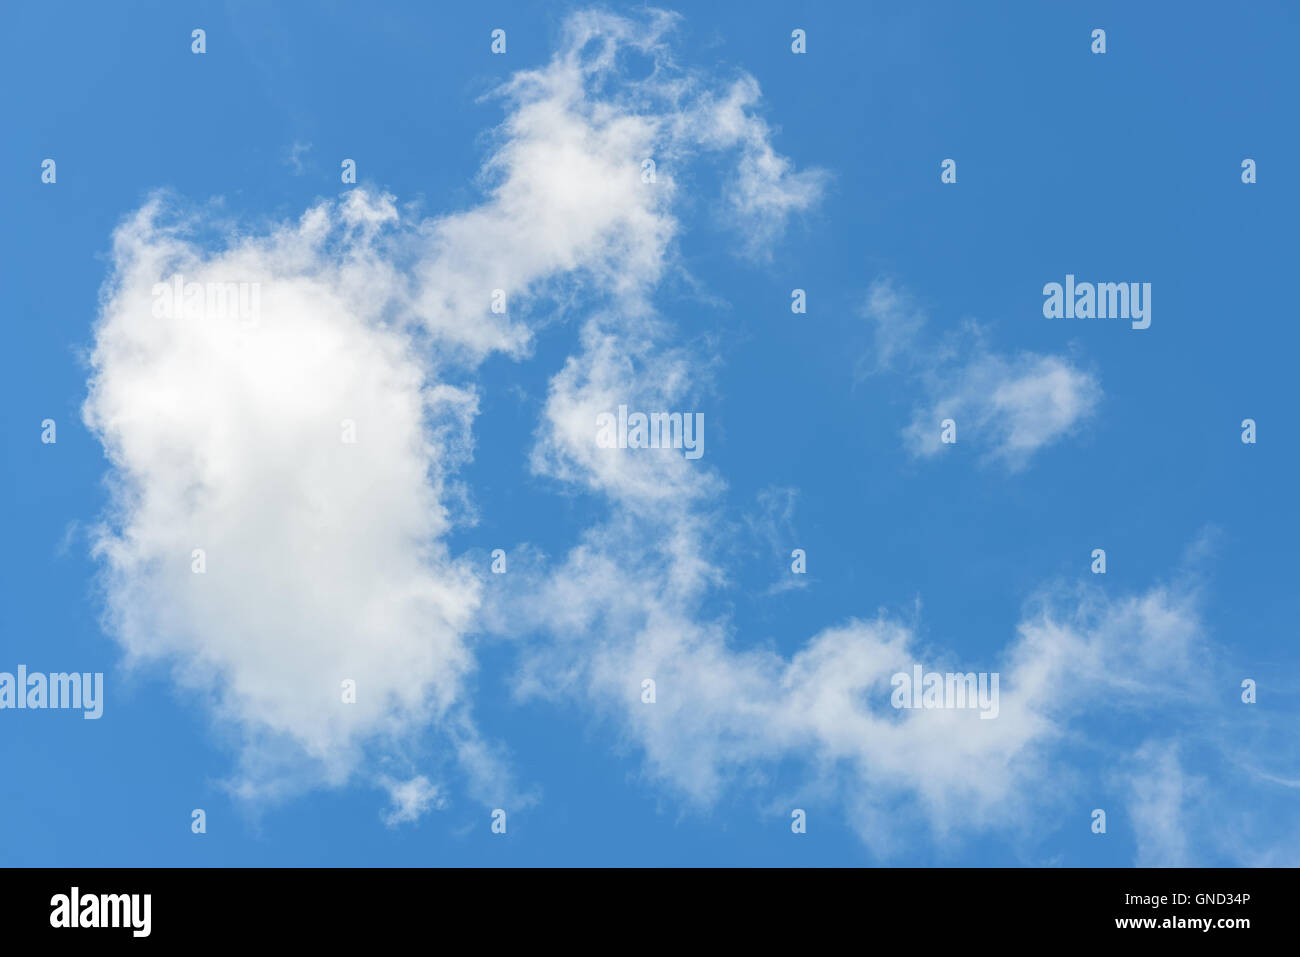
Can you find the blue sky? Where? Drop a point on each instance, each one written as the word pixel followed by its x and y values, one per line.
pixel 1121 691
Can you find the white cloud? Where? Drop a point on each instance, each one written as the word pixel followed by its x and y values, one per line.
pixel 622 612
pixel 293 156
pixel 1227 811
pixel 772 522
pixel 622 362
pixel 1159 792
pixel 766 190
pixel 1012 406
pixel 323 561
pixel 410 799
pixel 896 323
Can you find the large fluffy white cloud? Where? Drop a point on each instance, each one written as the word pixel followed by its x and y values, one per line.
pixel 230 433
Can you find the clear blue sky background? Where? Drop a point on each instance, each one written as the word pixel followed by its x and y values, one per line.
pixel 1122 166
